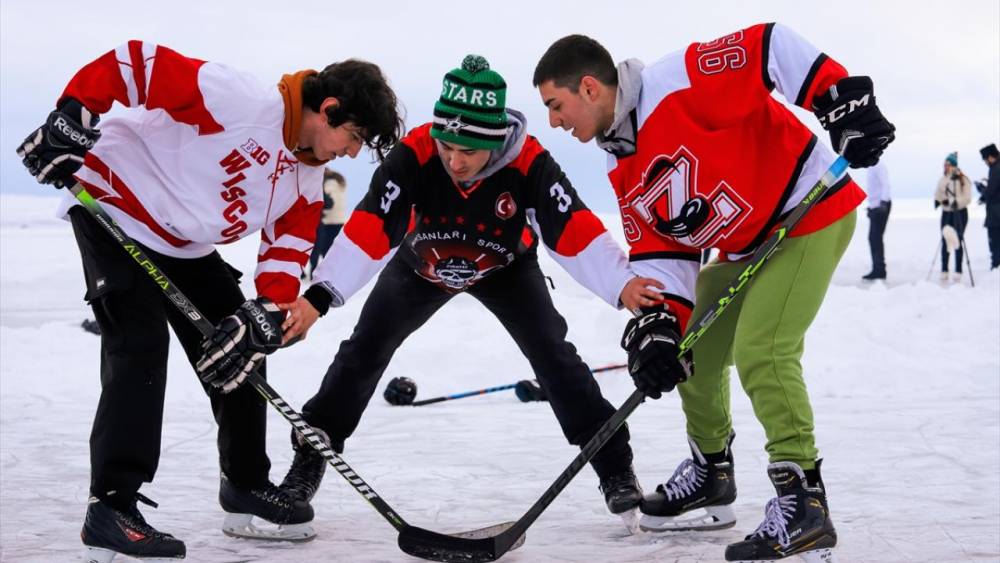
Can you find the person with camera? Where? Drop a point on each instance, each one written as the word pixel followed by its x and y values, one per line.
pixel 953 195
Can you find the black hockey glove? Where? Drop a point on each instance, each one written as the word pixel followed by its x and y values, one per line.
pixel 240 343
pixel 55 151
pixel 652 341
pixel 857 128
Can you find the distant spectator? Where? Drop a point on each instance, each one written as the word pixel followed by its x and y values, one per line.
pixel 879 204
pixel 991 197
pixel 334 206
pixel 953 195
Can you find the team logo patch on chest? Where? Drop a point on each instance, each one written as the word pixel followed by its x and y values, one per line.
pixel 505 207
pixel 669 199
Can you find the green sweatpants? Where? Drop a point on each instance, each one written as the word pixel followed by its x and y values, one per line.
pixel 762 332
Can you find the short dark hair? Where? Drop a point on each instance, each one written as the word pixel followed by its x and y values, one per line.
pixel 365 100
pixel 571 58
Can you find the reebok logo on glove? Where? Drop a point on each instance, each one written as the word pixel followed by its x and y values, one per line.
pixel 71 133
pixel 261 319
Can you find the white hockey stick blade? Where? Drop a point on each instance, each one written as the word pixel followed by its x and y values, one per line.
pixel 242 526
pixel 490 531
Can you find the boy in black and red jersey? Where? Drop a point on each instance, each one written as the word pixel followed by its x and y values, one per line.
pixel 702 156
pixel 463 198
pixel 210 155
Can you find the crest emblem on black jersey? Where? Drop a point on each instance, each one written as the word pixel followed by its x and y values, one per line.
pixel 505 207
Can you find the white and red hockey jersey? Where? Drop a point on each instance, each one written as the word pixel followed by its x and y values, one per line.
pixel 203 163
pixel 718 162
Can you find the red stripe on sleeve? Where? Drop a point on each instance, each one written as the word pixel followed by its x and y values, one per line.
pixel 421 142
pixel 98 85
pixel 138 69
pixel 173 86
pixel 581 229
pixel 284 255
pixel 278 287
pixel 366 230
pixel 828 74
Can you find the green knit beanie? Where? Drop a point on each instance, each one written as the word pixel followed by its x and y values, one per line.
pixel 470 111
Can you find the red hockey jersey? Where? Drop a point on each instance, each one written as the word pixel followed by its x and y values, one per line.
pixel 718 161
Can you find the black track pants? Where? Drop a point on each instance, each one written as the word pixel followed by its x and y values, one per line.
pixel 133 314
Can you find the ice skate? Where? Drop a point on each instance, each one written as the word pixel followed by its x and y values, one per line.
pixel 279 517
pixel 622 494
pixel 108 531
pixel 796 522
pixel 698 496
pixel 306 473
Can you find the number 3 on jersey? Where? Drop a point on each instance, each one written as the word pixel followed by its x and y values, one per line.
pixel 392 191
pixel 672 203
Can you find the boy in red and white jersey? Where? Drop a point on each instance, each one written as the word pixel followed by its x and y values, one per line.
pixel 702 156
pixel 210 156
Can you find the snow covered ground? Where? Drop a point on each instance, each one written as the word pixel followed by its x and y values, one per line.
pixel 904 380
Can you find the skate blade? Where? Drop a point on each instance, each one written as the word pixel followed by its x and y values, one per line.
pixel 818 556
pixel 489 531
pixel 242 526
pixel 631 520
pixel 813 556
pixel 101 555
pixel 713 518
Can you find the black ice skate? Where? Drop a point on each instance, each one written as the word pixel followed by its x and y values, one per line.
pixel 308 466
pixel 268 503
pixel 796 522
pixel 108 531
pixel 622 494
pixel 698 496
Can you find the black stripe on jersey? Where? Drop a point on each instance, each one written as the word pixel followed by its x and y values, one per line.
pixel 810 76
pixel 787 193
pixel 766 48
pixel 666 255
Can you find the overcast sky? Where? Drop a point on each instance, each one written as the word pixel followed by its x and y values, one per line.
pixel 936 65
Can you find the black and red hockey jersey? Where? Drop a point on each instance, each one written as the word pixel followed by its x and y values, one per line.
pixel 454 235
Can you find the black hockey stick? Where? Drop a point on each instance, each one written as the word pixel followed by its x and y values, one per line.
pixel 495 389
pixel 438 547
pixel 175 296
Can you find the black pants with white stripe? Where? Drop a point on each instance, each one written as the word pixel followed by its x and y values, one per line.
pixel 402 301
pixel 133 314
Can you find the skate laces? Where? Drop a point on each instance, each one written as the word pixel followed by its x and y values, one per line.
pixel 134 519
pixel 777 513
pixel 272 494
pixel 686 478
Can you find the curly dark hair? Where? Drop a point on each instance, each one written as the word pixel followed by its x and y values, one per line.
pixel 365 100
pixel 571 58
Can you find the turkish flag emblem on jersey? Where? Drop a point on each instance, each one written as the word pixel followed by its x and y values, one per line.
pixel 505 207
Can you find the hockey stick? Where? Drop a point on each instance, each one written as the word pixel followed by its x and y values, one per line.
pixel 495 389
pixel 438 547
pixel 175 296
